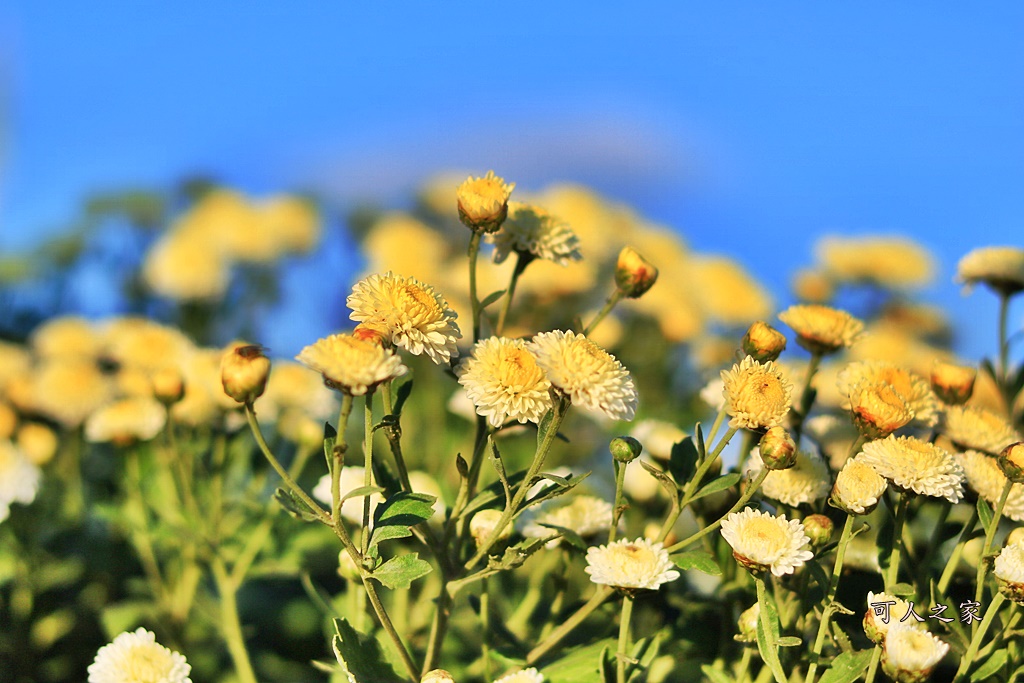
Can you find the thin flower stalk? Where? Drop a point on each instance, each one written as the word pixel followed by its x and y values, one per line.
pixel 622 653
pixel 522 260
pixel 972 650
pixel 826 615
pixel 615 297
pixel 892 573
pixel 990 534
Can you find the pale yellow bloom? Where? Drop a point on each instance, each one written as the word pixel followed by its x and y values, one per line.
pixel 483 525
pixel 243 372
pixel 590 376
pixel 807 481
pixel 822 329
pixel 953 383
pixel 883 341
pixel 183 266
pixel 1001 268
pixel 126 421
pixel 504 381
pixel 15 360
pixel 37 441
pixel 978 428
pixel 483 202
pixel 68 390
pixel 986 477
pixel 352 478
pixel 858 487
pixel 137 658
pixel 1009 571
pixel 762 542
pixel 145 344
pixel 352 365
pixel 19 478
pixel 757 396
pixel 885 611
pixel 292 222
pixel 292 386
pixel 630 565
pixel 586 515
pixel 878 410
pixel 916 465
pixel 727 293
pixel 530 675
pixel 534 231
pixel 909 655
pixel 658 437
pixel 67 337
pixel 409 314
pixel 387 242
pixel 913 389
pixel 890 262
pixel 812 287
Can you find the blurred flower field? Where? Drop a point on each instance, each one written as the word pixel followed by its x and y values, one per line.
pixel 549 441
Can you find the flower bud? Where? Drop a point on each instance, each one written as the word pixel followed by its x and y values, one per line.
pixel 347 567
pixel 857 488
pixel 763 342
pixel 878 410
pixel 437 676
pixel 952 383
pixel 483 524
pixel 777 448
pixel 483 202
pixel 38 442
pixel 634 274
pixel 819 529
pixel 625 449
pixel 1011 461
pixel 243 372
pixel 168 385
pixel 1008 569
pixel 747 624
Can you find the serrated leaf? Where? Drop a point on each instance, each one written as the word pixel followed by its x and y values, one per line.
pixel 901 590
pixel 491 298
pixel 580 665
pixel 991 666
pixel 362 491
pixel 984 514
pixel 360 656
pixel 701 560
pixel 722 483
pixel 401 571
pixel 716 676
pixel 294 506
pixel 768 633
pixel 847 667
pixel 395 517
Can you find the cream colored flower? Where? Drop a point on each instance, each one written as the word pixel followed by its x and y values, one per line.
pixel 586 515
pixel 182 266
pixel 953 383
pixel 639 564
pixel 757 395
pixel 484 523
pixel 834 437
pixel 19 478
pixel 504 382
pixel 292 222
pixel 1009 571
pixel 146 344
pixel 408 313
pixel 530 675
pixel 913 389
pixel 890 262
pixel 590 376
pixel 138 658
pixel 807 481
pixel 483 202
pixel 858 487
pixel 812 286
pixel 727 293
pixel 910 654
pixel 67 337
pixel 921 467
pixel 822 329
pixel 532 230
pixel 126 421
pixel 878 410
pixel 761 542
pixel 1001 268
pixel 885 611
pixel 354 366
pixel 986 477
pixel 979 429
pixel 352 478
pixel 68 390
pixel 204 400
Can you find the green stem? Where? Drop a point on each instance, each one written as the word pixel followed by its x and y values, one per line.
pixel 485 625
pixel 337 462
pixel 892 573
pixel 385 621
pixel 474 251
pixel 972 650
pixel 622 654
pixel 230 624
pixel 876 656
pixel 615 298
pixel 367 468
pixel 747 495
pixel 522 260
pixel 617 509
pixel 806 398
pixel 990 534
pixel 140 535
pixel 1004 345
pixel 719 419
pixel 826 614
pixel 556 636
pixel 954 558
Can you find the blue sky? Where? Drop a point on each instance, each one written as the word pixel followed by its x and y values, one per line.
pixel 750 128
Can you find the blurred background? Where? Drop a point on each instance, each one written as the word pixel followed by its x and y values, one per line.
pixel 749 130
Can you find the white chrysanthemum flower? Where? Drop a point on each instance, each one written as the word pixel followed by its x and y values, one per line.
pixel 586 515
pixel 532 230
pixel 590 376
pixel 350 364
pixel 19 478
pixel 408 314
pixel 884 611
pixel 1009 571
pixel 986 477
pixel 822 329
pixel 126 421
pixel 921 467
pixel 807 481
pixel 631 564
pixel 352 478
pixel 858 487
pixel 1001 268
pixel 760 541
pixel 910 654
pixel 979 429
pixel 138 658
pixel 913 389
pixel 504 382
pixel 530 675
pixel 757 395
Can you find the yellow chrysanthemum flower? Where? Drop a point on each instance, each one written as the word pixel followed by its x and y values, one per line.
pixel 631 565
pixel 68 391
pixel 292 222
pixel 807 481
pixel 727 293
pixel 890 262
pixel 757 395
pixel 354 366
pixel 822 329
pixel 483 202
pixel 812 286
pixel 67 337
pixel 986 477
pixel 1001 268
pixel 533 231
pixel 878 410
pixel 504 382
pixel 916 465
pixel 762 542
pixel 408 314
pixel 15 361
pixel 590 376
pixel 913 389
pixel 953 383
pixel 979 429
pixel 182 266
pixel 145 344
pixel 126 421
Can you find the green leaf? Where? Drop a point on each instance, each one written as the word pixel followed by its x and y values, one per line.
pixel 360 656
pixel 491 298
pixel 984 514
pixel 560 486
pixel 362 491
pixel 901 590
pixel 847 667
pixel 716 676
pixel 330 438
pixel 682 461
pixel 722 483
pixel 401 396
pixel 294 506
pixel 401 571
pixel 396 517
pixel 991 666
pixel 580 665
pixel 569 535
pixel 671 488
pixel 701 560
pixel 768 634
pixel 517 554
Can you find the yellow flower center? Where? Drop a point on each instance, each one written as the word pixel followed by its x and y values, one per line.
pixel 765 532
pixel 418 305
pixel 518 370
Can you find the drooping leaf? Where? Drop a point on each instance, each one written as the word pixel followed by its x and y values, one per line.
pixel 670 486
pixel 491 298
pixel 701 560
pixel 294 506
pixel 360 656
pixel 401 571
pixel 984 514
pixel 847 667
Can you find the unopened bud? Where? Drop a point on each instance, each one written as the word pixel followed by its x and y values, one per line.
pixel 763 342
pixel 437 676
pixel 483 525
pixel 347 567
pixel 365 332
pixel 168 385
pixel 777 448
pixel 747 624
pixel 953 383
pixel 38 442
pixel 625 448
pixel 819 529
pixel 483 202
pixel 243 372
pixel 634 274
pixel 1011 460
